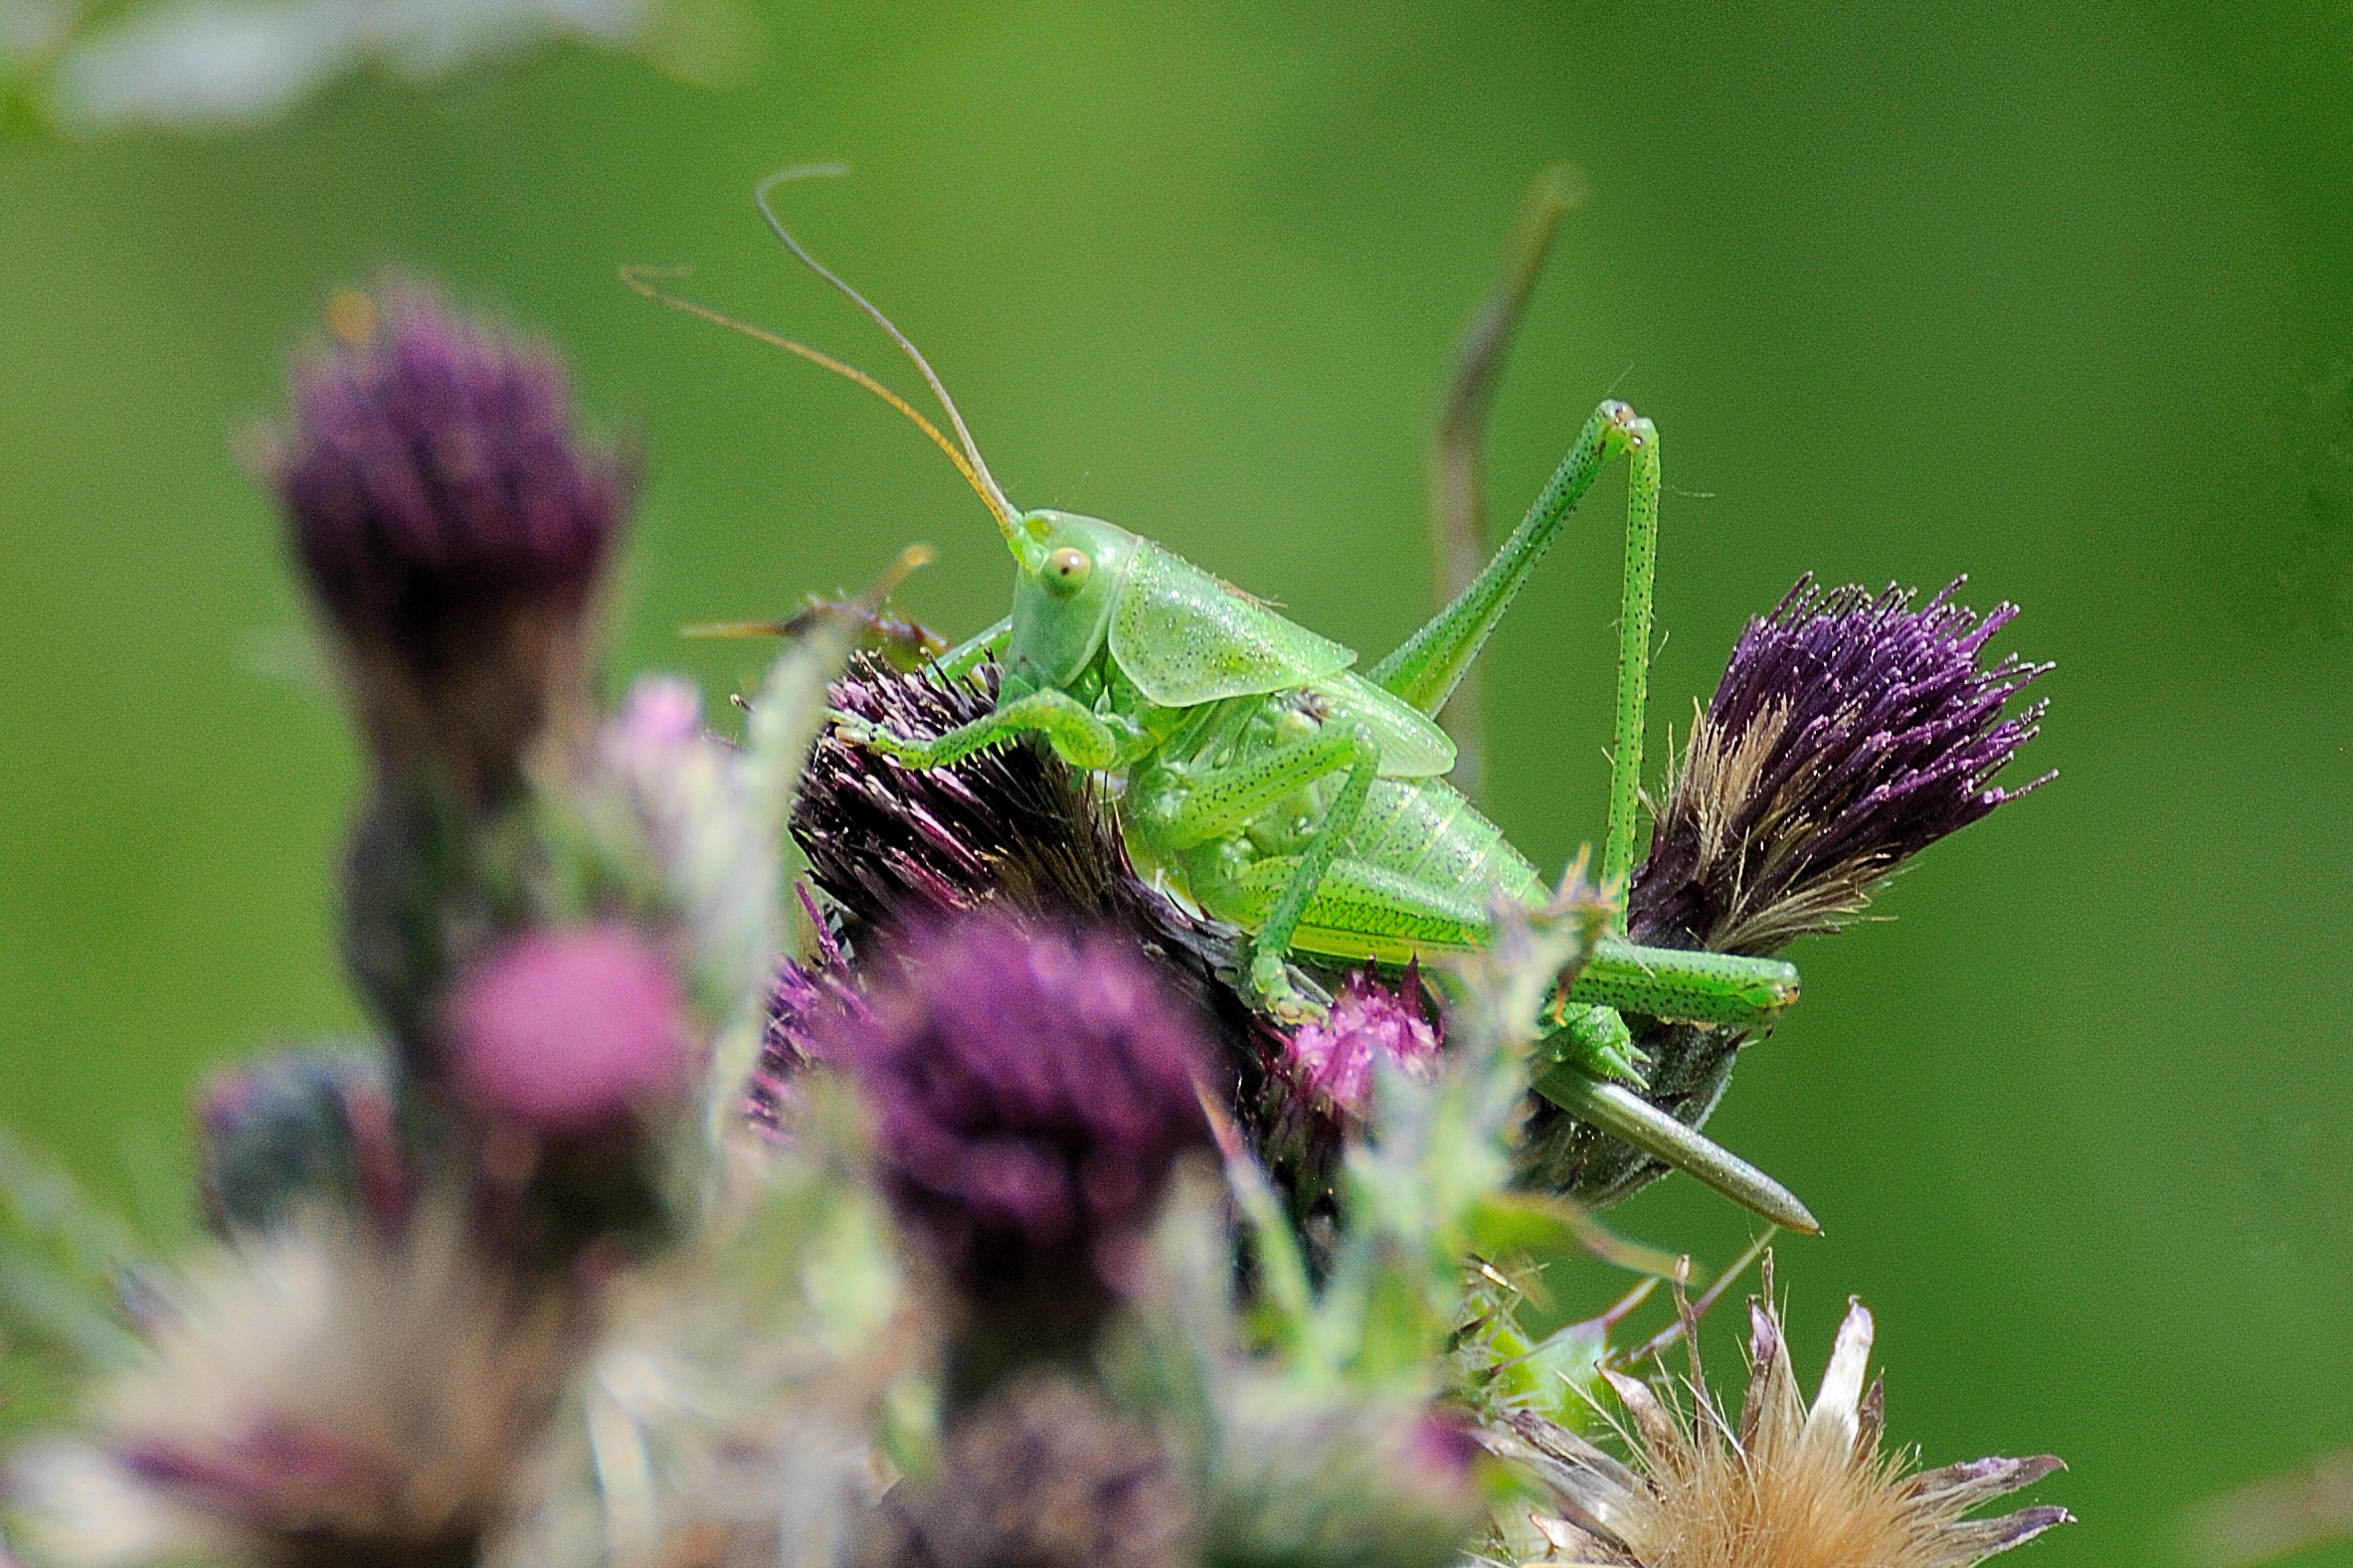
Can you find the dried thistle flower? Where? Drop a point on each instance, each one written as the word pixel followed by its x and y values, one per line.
pixel 1030 1088
pixel 323 1397
pixel 453 527
pixel 1790 1487
pixel 1848 733
pixel 1045 1474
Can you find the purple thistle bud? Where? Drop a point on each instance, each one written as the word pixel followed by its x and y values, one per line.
pixel 1848 733
pixel 431 474
pixel 451 525
pixel 1030 1088
pixel 568 1033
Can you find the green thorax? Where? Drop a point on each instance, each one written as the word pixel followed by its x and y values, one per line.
pixel 1182 636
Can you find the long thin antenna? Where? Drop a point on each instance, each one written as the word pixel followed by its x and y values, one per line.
pixel 830 171
pixel 982 487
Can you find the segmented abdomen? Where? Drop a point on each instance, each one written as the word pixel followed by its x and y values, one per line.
pixel 1425 831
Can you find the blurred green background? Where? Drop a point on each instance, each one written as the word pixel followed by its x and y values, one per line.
pixel 2048 295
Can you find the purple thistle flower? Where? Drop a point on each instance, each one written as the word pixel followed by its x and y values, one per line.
pixel 560 1033
pixel 1332 1062
pixel 1031 1087
pixel 1315 1082
pixel 1013 824
pixel 1848 733
pixel 451 525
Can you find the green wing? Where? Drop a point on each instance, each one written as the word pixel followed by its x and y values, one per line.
pixel 1184 639
pixel 1411 747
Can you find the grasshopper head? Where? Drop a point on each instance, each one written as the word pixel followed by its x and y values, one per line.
pixel 1071 572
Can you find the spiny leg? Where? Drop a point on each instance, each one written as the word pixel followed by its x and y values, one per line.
pixel 1722 990
pixel 1634 616
pixel 1426 667
pixel 1594 1045
pixel 1596 1036
pixel 1077 736
pixel 1425 670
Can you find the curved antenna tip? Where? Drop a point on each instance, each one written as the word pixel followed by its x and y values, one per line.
pixel 978 466
pixel 800 171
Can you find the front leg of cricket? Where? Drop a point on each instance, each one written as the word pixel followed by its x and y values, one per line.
pixel 1077 735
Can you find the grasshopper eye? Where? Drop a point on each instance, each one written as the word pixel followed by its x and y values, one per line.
pixel 1066 572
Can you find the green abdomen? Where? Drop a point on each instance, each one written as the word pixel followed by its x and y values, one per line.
pixel 1425 831
pixel 1415 877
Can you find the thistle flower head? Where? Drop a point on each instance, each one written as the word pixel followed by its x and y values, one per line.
pixel 1010 825
pixel 431 476
pixel 1315 1080
pixel 1332 1061
pixel 1031 1085
pixel 449 523
pixel 1790 1485
pixel 563 1032
pixel 1848 733
pixel 1045 1474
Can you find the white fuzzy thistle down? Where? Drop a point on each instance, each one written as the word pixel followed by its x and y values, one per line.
pixel 1790 1485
